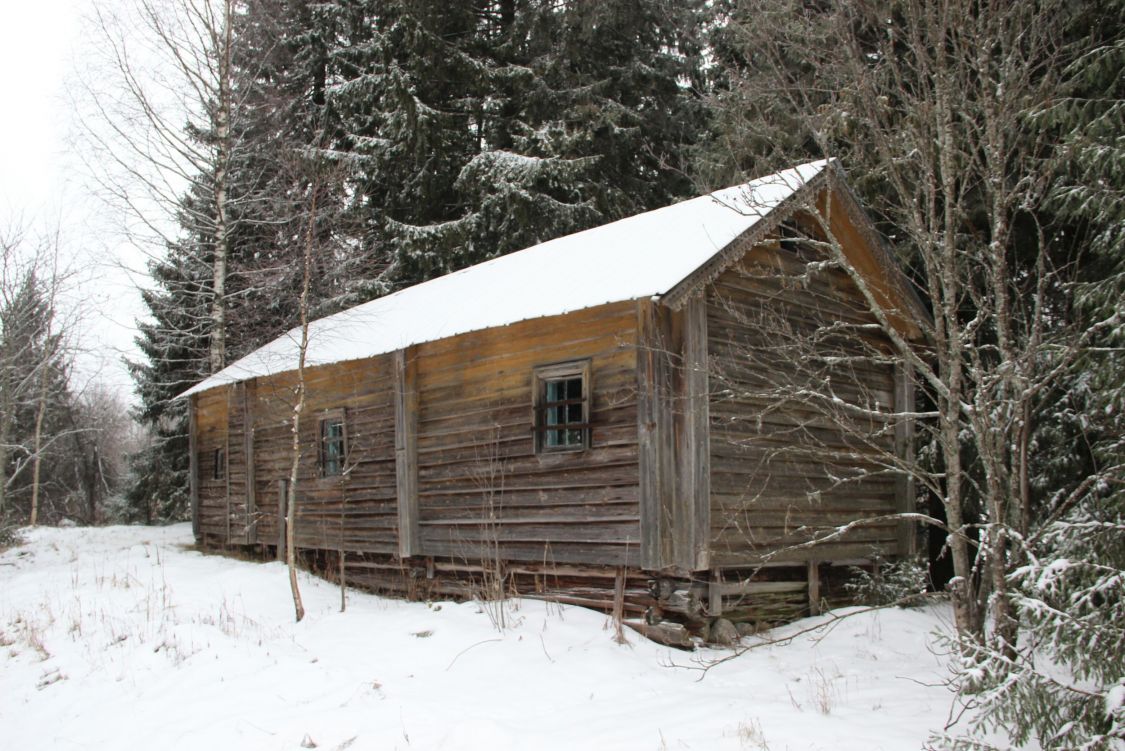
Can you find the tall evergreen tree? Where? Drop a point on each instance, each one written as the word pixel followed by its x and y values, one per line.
pixel 285 70
pixel 486 127
pixel 176 352
pixel 34 393
pixel 438 134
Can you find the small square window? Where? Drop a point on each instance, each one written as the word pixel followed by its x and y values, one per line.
pixel 333 443
pixel 562 407
pixel 219 464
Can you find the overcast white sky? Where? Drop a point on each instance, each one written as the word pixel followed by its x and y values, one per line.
pixel 35 43
pixel 41 184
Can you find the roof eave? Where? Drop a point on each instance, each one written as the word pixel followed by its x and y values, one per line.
pixel 733 251
pixel 832 178
pixel 901 285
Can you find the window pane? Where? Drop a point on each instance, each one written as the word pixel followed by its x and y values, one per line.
pixel 562 404
pixel 574 388
pixel 332 446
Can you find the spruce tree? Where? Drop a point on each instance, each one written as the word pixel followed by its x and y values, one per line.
pixel 483 128
pixel 33 380
pixel 175 350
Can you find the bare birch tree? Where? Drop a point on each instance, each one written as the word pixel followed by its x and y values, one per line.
pixel 37 404
pixel 296 449
pixel 157 122
pixel 316 231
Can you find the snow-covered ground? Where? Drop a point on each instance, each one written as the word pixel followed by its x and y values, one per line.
pixel 123 638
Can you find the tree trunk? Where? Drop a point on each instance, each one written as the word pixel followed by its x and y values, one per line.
pixel 291 492
pixel 298 409
pixel 33 518
pixel 222 163
pixel 5 438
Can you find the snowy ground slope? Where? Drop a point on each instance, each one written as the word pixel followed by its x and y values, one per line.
pixel 121 637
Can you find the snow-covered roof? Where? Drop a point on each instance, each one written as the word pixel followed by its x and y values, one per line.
pixel 642 256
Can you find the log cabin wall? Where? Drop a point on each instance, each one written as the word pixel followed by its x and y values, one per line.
pixel 484 493
pixel 471 483
pixel 211 427
pixel 672 435
pixel 239 510
pixel 354 510
pixel 776 463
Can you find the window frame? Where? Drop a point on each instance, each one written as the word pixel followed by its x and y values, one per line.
pixel 219 464
pixel 326 418
pixel 544 374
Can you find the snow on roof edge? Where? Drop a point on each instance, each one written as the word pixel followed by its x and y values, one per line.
pixel 650 252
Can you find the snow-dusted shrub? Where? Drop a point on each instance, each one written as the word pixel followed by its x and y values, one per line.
pixel 892 583
pixel 9 536
pixel 1063 686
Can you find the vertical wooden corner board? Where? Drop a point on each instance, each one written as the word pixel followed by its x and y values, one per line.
pixel 672 429
pixel 655 433
pixel 193 467
pixel 248 455
pixel 406 452
pixel 692 534
pixel 904 450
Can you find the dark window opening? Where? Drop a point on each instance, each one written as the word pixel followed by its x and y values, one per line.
pixel 219 465
pixel 790 237
pixel 562 407
pixel 333 444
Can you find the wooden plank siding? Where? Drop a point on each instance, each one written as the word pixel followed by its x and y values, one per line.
pixel 211 435
pixel 483 491
pixel 440 440
pixel 775 461
pixel 356 510
pixel 657 345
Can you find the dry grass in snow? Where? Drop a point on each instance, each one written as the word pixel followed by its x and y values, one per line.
pixel 125 638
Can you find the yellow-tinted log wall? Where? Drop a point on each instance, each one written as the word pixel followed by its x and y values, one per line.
pixel 483 491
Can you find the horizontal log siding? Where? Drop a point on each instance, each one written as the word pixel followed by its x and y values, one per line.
pixel 355 511
pixel 238 520
pixel 483 493
pixel 211 434
pixel 773 461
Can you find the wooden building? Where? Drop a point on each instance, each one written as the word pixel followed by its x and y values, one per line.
pixel 582 420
